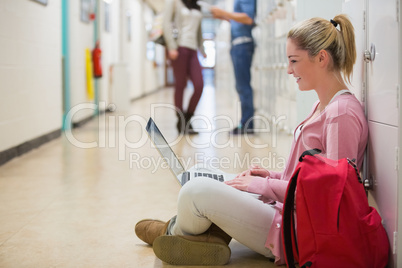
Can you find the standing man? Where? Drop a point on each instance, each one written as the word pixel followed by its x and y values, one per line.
pixel 242 23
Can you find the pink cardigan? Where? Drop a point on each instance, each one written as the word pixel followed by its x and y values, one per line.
pixel 340 131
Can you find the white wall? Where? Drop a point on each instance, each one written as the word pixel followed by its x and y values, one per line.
pixel 30 70
pixel 132 48
pixel 109 44
pixel 154 68
pixel 108 47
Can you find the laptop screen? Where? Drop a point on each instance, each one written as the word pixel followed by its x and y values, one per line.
pixel 163 147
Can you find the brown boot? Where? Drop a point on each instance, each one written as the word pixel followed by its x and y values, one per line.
pixel 148 230
pixel 209 248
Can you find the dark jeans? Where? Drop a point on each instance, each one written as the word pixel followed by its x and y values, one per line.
pixel 185 67
pixel 242 56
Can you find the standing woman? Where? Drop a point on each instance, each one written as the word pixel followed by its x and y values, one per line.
pixel 321 54
pixel 186 16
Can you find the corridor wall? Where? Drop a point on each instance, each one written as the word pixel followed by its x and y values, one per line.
pixel 30 71
pixel 132 47
pixel 31 92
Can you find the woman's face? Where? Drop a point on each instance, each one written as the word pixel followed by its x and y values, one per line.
pixel 301 66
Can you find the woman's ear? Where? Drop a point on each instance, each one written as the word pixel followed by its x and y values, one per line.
pixel 323 57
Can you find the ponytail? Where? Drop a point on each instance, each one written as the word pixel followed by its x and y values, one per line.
pixel 348 36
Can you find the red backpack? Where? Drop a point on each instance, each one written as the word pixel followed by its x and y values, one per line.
pixel 335 225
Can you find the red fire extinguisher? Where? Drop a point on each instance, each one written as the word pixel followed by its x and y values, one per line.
pixel 96 58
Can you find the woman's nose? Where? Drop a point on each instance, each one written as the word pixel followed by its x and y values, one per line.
pixel 290 70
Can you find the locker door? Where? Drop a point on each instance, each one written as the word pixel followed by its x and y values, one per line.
pixel 375 23
pixel 382 70
pixel 382 103
pixel 383 172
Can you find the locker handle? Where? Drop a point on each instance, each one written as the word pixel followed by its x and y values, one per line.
pixel 370 55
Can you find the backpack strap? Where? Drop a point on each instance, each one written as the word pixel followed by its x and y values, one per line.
pixel 309 152
pixel 288 222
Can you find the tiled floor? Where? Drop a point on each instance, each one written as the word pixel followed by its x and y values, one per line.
pixel 63 205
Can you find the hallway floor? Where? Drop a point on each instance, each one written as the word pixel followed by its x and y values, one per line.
pixel 74 201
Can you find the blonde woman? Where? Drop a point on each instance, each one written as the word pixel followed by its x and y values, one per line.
pixel 321 54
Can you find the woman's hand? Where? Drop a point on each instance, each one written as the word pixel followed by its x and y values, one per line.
pixel 173 54
pixel 240 183
pixel 254 170
pixel 243 180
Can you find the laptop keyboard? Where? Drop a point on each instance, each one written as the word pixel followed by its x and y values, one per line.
pixel 186 176
pixel 209 175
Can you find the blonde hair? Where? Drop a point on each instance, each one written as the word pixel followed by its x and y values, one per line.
pixel 318 34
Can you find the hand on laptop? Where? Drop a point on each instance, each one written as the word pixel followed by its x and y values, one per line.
pixel 254 170
pixel 243 180
pixel 240 183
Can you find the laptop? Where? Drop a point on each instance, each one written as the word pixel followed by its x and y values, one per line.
pixel 182 175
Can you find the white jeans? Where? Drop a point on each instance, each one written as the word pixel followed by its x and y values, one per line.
pixel 203 201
